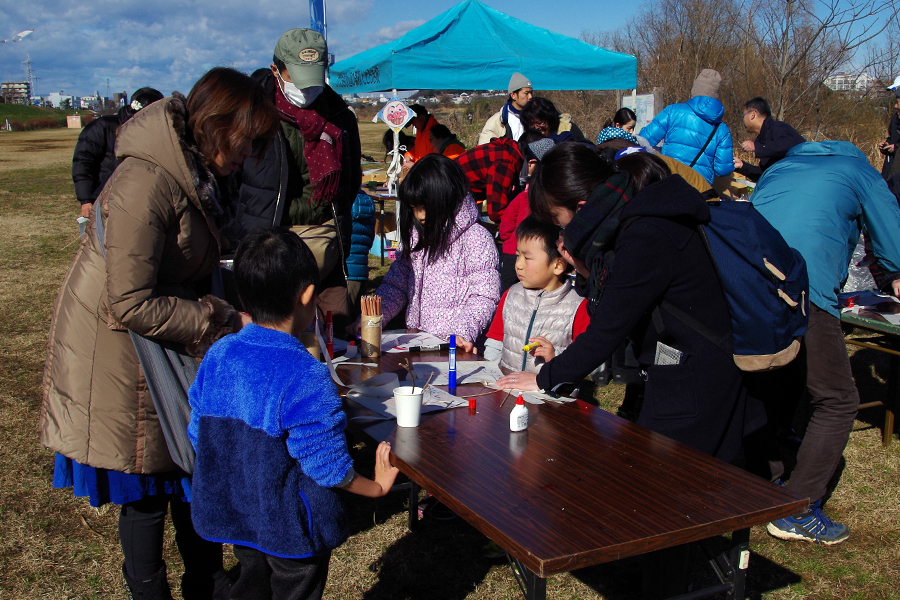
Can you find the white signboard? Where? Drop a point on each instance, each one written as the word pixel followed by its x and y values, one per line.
pixel 643 106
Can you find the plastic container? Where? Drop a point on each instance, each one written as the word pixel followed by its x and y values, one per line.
pixel 518 417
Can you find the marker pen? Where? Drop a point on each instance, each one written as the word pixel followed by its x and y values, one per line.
pixel 451 375
pixel 530 347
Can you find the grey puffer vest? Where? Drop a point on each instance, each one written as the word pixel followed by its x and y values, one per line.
pixel 528 313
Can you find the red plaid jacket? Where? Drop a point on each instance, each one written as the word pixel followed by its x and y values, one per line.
pixel 493 170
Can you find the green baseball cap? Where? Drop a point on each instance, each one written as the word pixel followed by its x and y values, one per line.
pixel 306 55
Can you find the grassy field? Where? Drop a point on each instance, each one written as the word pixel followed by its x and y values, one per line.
pixel 54 546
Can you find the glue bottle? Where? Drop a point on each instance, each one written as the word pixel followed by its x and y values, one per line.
pixel 518 418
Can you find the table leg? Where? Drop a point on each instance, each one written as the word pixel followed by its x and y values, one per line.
pixel 740 561
pixel 532 586
pixel 891 403
pixel 413 505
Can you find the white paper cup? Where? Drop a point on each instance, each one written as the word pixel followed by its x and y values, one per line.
pixel 408 403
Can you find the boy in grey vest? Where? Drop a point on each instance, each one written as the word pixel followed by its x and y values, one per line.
pixel 542 312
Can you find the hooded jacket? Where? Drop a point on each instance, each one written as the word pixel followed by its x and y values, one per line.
pixel 817 197
pixel 659 256
pixel 95 159
pixel 685 127
pixel 457 293
pixel 162 210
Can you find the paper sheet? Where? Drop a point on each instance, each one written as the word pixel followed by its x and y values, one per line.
pixel 400 341
pixel 433 400
pixel 467 371
pixel 534 397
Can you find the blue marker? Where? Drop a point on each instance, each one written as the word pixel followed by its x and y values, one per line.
pixel 451 376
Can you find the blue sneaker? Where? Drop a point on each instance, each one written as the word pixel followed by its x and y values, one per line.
pixel 813 526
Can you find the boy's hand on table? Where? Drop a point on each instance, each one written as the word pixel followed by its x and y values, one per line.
pixel 545 350
pixel 385 472
pixel 523 381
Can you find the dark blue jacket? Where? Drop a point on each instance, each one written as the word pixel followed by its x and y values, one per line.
pixel 771 145
pixel 268 429
pixel 361 238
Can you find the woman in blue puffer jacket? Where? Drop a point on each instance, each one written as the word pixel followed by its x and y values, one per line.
pixel 694 132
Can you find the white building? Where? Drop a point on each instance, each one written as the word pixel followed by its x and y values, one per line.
pixel 56 99
pixel 92 102
pixel 847 82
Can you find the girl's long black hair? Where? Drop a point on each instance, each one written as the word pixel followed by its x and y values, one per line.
pixel 623 115
pixel 439 185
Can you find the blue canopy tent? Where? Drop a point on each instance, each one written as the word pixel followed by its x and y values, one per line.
pixel 474 47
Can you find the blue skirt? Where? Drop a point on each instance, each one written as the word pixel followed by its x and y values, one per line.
pixel 103 486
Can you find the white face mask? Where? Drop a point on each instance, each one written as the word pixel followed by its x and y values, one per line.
pixel 296 96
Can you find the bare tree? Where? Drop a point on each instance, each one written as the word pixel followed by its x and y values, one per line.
pixel 802 42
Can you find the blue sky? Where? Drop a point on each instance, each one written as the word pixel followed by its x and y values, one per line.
pixel 168 44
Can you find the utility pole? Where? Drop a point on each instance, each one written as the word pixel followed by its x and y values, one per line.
pixel 29 76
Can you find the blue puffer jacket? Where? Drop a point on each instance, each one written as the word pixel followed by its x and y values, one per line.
pixel 363 215
pixel 817 197
pixel 685 127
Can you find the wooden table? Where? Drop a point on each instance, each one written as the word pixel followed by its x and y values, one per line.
pixel 578 488
pixel 888 342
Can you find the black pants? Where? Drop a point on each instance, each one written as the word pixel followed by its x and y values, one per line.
pixel 141 531
pixel 267 577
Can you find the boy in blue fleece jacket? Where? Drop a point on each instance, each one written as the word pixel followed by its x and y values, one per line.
pixel 268 429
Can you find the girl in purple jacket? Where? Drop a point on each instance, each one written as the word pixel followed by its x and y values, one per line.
pixel 446 274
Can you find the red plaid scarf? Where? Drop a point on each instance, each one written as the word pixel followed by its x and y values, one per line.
pixel 323 158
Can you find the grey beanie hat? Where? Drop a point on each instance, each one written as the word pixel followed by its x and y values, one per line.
pixel 707 84
pixel 517 82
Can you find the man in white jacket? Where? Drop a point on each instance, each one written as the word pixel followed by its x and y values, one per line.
pixel 505 122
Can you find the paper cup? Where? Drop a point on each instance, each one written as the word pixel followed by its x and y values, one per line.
pixel 408 403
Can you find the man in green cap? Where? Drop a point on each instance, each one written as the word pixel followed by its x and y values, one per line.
pixel 309 176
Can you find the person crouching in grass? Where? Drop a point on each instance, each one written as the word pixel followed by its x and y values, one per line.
pixel 268 429
pixel 542 309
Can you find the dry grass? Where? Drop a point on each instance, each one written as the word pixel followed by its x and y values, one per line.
pixel 37 149
pixel 55 546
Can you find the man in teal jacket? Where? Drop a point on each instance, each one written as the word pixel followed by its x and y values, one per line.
pixel 818 196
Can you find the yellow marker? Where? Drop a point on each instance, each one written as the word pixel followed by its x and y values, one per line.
pixel 530 347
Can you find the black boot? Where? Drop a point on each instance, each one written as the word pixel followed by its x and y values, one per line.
pixel 154 588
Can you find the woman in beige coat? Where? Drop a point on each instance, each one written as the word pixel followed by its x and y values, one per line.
pixel 163 210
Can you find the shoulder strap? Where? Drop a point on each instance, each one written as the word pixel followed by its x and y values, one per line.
pixel 720 341
pixel 703 149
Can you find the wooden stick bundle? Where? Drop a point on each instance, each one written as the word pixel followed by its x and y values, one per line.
pixel 370 305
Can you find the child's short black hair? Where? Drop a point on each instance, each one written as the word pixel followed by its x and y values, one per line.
pixel 532 229
pixel 272 266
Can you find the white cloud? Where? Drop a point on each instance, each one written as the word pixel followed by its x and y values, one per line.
pixel 388 34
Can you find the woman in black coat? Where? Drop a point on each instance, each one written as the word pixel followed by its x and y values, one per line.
pixel 634 239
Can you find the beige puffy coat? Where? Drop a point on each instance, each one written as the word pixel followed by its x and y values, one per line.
pixel 162 215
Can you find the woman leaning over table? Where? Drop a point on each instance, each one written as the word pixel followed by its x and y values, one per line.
pixel 163 210
pixel 632 234
pixel 633 237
